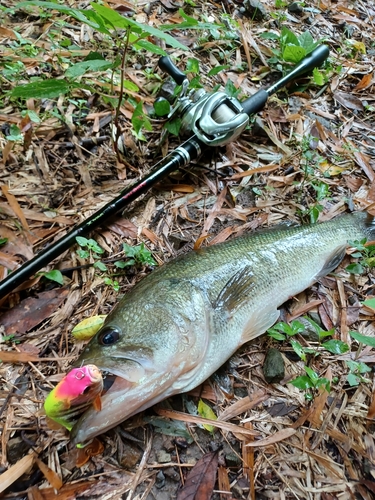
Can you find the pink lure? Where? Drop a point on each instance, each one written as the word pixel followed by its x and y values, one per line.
pixel 78 390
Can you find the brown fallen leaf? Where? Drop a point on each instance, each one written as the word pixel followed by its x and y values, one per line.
pixel 350 101
pixel 371 410
pixel 52 477
pixel 83 455
pixel 12 200
pixel 11 475
pixel 32 311
pixel 67 492
pixel 224 484
pixel 275 438
pixel 242 405
pixel 364 83
pixel 185 417
pixel 25 357
pixel 201 479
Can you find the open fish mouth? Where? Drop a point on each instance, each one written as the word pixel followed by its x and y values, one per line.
pixel 118 401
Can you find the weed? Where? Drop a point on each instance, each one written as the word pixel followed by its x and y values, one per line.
pixel 137 256
pixel 365 254
pixel 282 331
pixel 9 338
pixel 54 275
pixel 356 371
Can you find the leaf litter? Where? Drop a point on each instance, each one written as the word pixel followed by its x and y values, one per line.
pixel 309 153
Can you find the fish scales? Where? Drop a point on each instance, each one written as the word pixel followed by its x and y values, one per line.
pixel 184 320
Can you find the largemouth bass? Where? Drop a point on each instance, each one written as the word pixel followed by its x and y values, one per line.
pixel 183 321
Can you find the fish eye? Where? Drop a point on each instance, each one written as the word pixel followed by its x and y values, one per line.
pixel 108 336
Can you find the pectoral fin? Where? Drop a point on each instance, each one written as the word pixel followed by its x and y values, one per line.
pixel 236 291
pixel 259 324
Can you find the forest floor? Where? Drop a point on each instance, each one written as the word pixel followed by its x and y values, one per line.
pixel 308 156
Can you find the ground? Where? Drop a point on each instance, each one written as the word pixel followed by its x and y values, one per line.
pixel 308 156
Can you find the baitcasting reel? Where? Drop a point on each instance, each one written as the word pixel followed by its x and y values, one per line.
pixel 214 118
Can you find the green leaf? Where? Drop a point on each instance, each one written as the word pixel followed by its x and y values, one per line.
pixel 15 134
pixel 369 303
pixel 336 346
pixel 269 35
pixel 192 65
pixel 128 250
pixel 121 264
pixel 357 366
pixel 352 379
pixel 100 265
pixel 162 107
pixel 314 377
pixel 288 37
pixel 306 41
pixel 83 254
pixel 355 269
pixel 33 116
pixel 46 89
pixel 173 126
pixel 54 275
pixel 3 241
pixel 88 17
pixel 139 119
pixel 151 47
pixel 293 53
pixel 189 19
pixel 128 85
pixel 275 335
pixel 83 67
pixel 318 77
pixel 93 245
pixel 302 382
pixel 282 327
pixel 206 411
pixel 118 21
pixel 217 69
pixel 82 241
pixel 363 339
pixel 298 349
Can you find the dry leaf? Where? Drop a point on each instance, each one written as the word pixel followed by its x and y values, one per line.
pixel 329 168
pixel 32 311
pixel 184 417
pixel 11 475
pixel 350 101
pixel 364 83
pixel 52 477
pixel 201 479
pixel 275 438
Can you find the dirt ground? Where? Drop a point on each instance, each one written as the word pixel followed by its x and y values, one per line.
pixel 309 155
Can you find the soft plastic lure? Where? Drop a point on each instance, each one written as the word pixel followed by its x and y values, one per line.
pixel 78 390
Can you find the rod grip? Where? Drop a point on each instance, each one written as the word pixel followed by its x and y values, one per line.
pixel 255 103
pixel 167 65
pixel 313 60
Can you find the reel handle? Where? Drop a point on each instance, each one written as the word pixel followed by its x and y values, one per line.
pixel 166 65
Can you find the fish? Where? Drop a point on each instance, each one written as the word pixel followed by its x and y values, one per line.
pixel 180 323
pixel 77 391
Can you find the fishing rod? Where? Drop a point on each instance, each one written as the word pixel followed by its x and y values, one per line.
pixel 210 119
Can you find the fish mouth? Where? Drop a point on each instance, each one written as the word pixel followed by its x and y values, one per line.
pixel 123 395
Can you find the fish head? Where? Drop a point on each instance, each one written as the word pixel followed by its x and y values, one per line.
pixel 144 348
